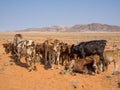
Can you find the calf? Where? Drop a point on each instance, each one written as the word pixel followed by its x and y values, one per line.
pixel 47 47
pixel 81 65
pixel 112 56
pixel 52 52
pixel 65 53
pixel 40 50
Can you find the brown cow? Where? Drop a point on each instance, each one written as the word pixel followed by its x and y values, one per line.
pixel 65 53
pixel 40 50
pixel 52 52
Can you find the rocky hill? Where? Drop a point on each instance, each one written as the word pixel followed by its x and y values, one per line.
pixel 94 27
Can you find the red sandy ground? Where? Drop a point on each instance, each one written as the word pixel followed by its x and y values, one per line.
pixel 17 77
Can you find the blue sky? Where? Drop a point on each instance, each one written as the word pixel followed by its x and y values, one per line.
pixel 21 14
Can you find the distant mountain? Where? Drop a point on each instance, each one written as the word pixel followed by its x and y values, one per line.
pixel 94 27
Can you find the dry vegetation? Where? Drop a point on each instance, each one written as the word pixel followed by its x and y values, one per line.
pixel 15 77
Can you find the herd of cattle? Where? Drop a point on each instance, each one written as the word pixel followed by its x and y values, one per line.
pixel 86 57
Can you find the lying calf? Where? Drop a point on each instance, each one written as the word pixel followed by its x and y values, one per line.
pixel 82 65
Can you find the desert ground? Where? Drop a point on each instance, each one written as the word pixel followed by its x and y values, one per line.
pixel 17 77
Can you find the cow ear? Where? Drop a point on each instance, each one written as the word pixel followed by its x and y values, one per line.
pixel 73 45
pixel 52 43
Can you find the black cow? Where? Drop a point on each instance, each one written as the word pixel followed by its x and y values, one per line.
pixel 90 48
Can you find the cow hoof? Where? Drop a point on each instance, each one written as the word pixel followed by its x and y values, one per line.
pixel 115 73
pixel 52 68
pixel 62 72
pixel 93 73
pixel 58 68
pixel 30 70
pixel 73 74
pixel 98 72
pixel 35 69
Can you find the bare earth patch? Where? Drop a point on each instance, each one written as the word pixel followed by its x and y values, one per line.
pixel 17 77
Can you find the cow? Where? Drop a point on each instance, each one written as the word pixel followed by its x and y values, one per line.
pixel 40 50
pixel 89 48
pixel 47 48
pixel 112 55
pixel 65 52
pixel 16 40
pixel 10 47
pixel 52 52
pixel 90 63
pixel 57 48
pixel 26 48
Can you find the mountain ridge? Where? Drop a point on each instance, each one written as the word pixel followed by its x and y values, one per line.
pixel 93 27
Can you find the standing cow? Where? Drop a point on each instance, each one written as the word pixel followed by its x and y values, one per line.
pixel 112 56
pixel 26 48
pixel 16 40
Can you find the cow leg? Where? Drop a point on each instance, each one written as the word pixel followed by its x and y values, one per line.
pixel 53 61
pixel 85 70
pixel 30 68
pixel 50 61
pixel 115 69
pixel 34 68
pixel 62 59
pixel 104 63
pixel 29 63
pixel 115 66
pixel 95 67
pixel 45 58
pixel 65 59
pixel 58 60
pixel 18 58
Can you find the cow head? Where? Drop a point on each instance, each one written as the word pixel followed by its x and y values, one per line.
pixel 56 45
pixel 8 47
pixel 30 43
pixel 63 47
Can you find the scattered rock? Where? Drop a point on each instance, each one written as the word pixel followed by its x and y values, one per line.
pixel 82 86
pixel 74 83
pixel 108 76
pixel 11 63
pixel 6 63
pixel 2 68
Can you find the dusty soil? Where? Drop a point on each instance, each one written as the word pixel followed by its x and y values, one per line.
pixel 17 77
